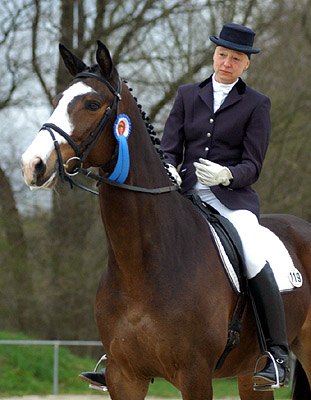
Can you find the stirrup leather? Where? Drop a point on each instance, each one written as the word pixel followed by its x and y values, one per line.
pixel 102 358
pixel 275 363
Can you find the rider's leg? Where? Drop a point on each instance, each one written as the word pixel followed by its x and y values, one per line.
pixel 264 289
pixel 269 305
pixel 95 378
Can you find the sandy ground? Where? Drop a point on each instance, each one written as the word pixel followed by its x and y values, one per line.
pixel 69 397
pixel 82 397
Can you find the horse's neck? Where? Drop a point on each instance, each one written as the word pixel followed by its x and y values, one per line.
pixel 135 221
pixel 146 168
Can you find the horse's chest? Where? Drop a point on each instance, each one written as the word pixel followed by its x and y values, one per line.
pixel 134 328
pixel 136 336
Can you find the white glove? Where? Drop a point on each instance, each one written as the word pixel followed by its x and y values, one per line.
pixel 212 174
pixel 174 173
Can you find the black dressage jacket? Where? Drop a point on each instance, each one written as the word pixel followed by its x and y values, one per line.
pixel 236 136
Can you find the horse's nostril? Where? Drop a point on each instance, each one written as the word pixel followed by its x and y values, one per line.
pixel 39 167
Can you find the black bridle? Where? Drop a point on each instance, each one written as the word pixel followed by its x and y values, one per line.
pixel 89 143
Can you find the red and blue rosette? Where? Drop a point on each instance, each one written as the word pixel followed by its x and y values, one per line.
pixel 122 130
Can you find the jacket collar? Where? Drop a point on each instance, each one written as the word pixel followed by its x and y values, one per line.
pixel 206 94
pixel 240 86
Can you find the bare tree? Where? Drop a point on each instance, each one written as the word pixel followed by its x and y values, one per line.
pixel 13 69
pixel 280 72
pixel 156 46
pixel 14 261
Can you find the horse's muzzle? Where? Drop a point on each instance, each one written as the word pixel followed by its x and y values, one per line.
pixel 35 176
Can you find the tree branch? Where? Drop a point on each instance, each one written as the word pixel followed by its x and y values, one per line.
pixel 35 64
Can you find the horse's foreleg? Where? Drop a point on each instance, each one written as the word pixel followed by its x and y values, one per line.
pixel 122 387
pixel 136 390
pixel 196 385
pixel 247 392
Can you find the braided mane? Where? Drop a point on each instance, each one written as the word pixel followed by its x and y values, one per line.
pixel 153 136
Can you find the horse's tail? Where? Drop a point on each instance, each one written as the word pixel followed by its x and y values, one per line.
pixel 300 387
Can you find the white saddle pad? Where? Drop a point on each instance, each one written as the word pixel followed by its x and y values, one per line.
pixel 286 274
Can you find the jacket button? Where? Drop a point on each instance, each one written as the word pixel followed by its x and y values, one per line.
pixel 208 134
pixel 211 120
pixel 206 149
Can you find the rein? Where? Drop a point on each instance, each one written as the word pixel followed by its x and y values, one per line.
pixel 100 179
pixel 89 144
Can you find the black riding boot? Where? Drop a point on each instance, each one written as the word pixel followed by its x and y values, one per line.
pixel 270 309
pixel 95 378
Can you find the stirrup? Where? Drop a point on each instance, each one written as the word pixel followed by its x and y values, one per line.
pixel 273 386
pixel 102 358
pixel 99 388
pixel 96 387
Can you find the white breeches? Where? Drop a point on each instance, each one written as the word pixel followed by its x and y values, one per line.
pixel 250 231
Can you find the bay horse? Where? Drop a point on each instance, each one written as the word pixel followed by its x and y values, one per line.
pixel 163 303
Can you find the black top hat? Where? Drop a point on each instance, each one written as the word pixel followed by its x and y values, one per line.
pixel 236 37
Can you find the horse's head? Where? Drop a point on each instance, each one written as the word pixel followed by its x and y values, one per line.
pixel 81 113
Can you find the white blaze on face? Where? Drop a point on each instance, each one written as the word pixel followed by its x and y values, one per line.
pixel 43 145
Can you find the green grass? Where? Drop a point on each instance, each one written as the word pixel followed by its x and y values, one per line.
pixel 29 369
pixel 229 387
pixel 26 370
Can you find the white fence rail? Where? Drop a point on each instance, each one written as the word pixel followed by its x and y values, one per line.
pixel 56 344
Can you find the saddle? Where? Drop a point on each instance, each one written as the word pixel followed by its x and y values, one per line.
pixel 227 233
pixel 233 247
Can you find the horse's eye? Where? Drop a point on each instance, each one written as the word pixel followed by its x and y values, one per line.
pixel 92 105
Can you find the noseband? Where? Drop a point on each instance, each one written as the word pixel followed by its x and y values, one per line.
pixel 89 143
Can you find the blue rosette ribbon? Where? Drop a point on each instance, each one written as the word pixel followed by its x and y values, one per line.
pixel 122 130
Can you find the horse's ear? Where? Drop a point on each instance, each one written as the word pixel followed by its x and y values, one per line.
pixel 72 62
pixel 104 59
